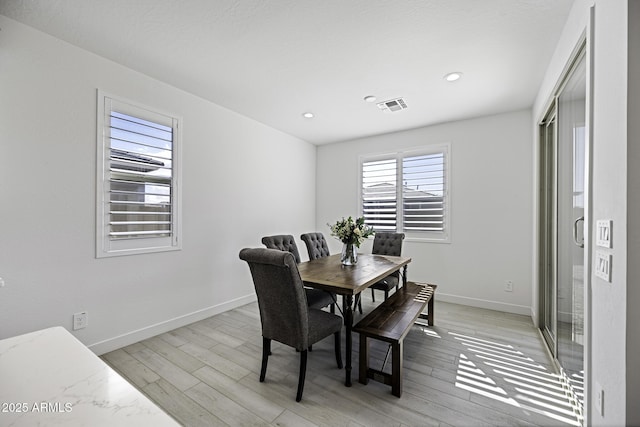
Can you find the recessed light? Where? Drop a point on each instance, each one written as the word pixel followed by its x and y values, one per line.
pixel 452 77
pixel 370 98
pixel 307 115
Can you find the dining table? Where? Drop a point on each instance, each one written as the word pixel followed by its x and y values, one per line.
pixel 329 274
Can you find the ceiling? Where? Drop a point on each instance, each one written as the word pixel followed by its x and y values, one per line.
pixel 273 60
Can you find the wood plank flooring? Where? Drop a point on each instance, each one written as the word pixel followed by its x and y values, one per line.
pixel 474 367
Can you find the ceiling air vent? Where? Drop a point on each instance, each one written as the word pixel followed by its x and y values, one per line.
pixel 393 105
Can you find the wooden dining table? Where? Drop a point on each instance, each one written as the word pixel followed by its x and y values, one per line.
pixel 329 274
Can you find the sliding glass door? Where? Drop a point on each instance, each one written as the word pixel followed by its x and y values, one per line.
pixel 563 176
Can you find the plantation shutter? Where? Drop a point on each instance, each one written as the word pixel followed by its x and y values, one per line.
pixel 379 197
pixel 140 177
pixel 423 191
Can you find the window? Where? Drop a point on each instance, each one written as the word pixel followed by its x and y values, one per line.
pixel 408 192
pixel 137 183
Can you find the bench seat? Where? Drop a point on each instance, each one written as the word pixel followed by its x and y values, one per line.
pixel 391 322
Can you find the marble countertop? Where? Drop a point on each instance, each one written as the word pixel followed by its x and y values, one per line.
pixel 48 377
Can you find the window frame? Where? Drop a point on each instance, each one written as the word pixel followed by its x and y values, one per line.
pixel 416 236
pixel 105 246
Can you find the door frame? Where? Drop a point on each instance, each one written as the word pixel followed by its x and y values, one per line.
pixel 583 49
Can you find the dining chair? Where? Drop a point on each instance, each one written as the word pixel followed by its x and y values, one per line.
pixel 316 298
pixel 387 243
pixel 284 313
pixel 317 248
pixel 316 245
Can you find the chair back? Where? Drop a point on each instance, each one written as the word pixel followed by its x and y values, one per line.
pixel 282 242
pixel 316 245
pixel 388 243
pixel 281 296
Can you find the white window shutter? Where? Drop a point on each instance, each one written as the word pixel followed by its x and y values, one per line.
pixel 138 206
pixel 408 192
pixel 423 192
pixel 379 194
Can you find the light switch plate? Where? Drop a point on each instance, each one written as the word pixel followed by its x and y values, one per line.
pixel 603 266
pixel 603 233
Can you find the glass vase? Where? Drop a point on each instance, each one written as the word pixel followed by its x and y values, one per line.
pixel 349 254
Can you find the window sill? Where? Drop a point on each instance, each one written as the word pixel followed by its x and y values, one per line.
pixel 446 240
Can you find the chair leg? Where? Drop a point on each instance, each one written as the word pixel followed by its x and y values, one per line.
pixel 303 372
pixel 373 295
pixel 332 308
pixel 266 351
pixel 358 304
pixel 386 294
pixel 338 348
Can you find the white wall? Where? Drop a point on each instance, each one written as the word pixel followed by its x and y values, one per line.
pixel 609 301
pixel 633 209
pixel 491 181
pixel 239 184
pixel 613 338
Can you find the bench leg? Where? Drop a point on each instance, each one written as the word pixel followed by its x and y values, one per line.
pixel 364 360
pixel 430 313
pixel 396 368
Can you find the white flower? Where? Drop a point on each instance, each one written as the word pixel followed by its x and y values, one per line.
pixel 350 231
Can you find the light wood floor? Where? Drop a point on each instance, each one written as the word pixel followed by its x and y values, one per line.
pixel 474 367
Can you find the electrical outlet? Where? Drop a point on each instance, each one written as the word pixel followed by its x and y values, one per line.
pixel 508 286
pixel 80 320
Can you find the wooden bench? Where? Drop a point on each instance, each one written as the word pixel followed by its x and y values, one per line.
pixel 390 322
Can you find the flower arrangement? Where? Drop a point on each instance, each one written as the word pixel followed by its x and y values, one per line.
pixel 351 232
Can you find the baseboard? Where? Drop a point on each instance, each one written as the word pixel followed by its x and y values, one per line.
pixel 481 303
pixel 132 337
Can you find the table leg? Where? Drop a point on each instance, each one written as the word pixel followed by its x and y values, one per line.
pixel 348 322
pixel 404 276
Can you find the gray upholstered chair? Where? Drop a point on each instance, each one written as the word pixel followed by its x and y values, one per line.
pixel 387 243
pixel 316 298
pixel 284 313
pixel 316 245
pixel 283 242
pixel 317 248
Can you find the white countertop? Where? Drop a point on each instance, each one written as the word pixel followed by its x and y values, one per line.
pixel 48 378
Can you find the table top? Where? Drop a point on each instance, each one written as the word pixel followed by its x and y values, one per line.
pixel 329 274
pixel 48 377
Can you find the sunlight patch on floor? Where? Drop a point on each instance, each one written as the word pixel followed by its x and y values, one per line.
pixel 428 331
pixel 503 373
